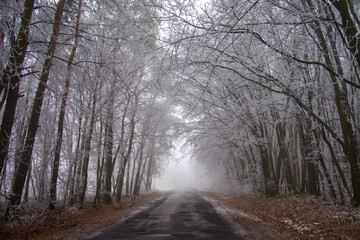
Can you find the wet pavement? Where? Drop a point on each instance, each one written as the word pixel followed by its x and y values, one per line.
pixel 180 215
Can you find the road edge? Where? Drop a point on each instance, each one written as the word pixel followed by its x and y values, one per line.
pixel 254 228
pixel 146 207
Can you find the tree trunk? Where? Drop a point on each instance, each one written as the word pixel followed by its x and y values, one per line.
pixel 75 166
pixel 336 163
pixel 85 163
pixel 328 178
pixel 270 182
pixel 10 80
pixel 27 183
pixel 349 26
pixel 131 179
pixel 127 184
pixel 284 158
pixel 108 154
pixel 127 156
pixel 56 163
pixel 351 145
pixel 136 184
pixel 80 159
pixel 100 164
pixel 20 175
pixel 148 180
pixel 137 180
pixel 311 166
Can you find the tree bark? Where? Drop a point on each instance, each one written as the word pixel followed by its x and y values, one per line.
pixel 59 137
pixel 85 163
pixel 284 158
pixel 75 164
pixel 311 166
pixel 108 153
pixel 127 184
pixel 349 27
pixel 148 180
pixel 100 164
pixel 27 183
pixel 336 163
pixel 128 153
pixel 136 185
pixel 20 175
pixel 270 183
pixel 351 144
pixel 10 80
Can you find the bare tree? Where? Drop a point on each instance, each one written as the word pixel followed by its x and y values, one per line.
pixel 59 137
pixel 20 175
pixel 10 79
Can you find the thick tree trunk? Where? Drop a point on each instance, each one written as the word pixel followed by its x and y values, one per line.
pixel 20 175
pixel 139 172
pixel 348 25
pixel 59 137
pixel 75 164
pixel 142 174
pixel 270 179
pixel 27 183
pixel 80 160
pixel 10 81
pixel 136 185
pixel 108 156
pixel 284 158
pixel 100 165
pixel 131 179
pixel 311 165
pixel 85 163
pixel 127 184
pixel 336 164
pixel 127 156
pixel 148 180
pixel 328 178
pixel 109 143
pixel 351 144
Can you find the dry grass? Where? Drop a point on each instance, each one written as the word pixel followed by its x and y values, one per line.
pixel 71 223
pixel 300 217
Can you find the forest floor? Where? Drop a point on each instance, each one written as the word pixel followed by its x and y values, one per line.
pixel 287 217
pixel 70 222
pixel 250 216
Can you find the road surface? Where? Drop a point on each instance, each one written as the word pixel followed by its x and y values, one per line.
pixel 180 215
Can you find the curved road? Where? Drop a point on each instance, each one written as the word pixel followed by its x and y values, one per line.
pixel 179 215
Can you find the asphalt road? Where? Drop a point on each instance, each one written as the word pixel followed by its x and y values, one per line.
pixel 180 215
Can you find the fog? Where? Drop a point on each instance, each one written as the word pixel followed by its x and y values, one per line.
pixel 180 171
